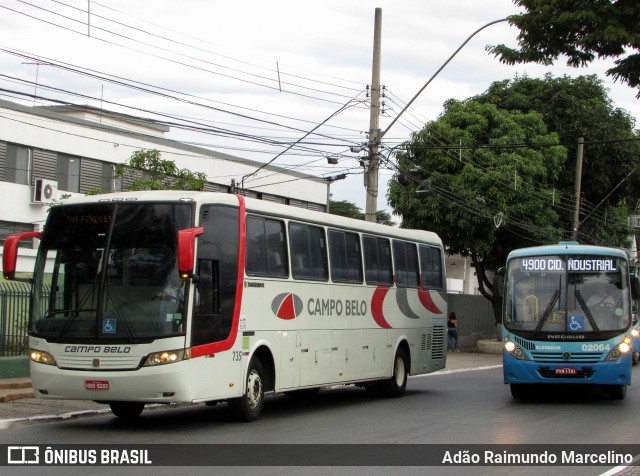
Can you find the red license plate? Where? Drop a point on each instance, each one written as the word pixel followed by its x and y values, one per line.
pixel 566 371
pixel 96 385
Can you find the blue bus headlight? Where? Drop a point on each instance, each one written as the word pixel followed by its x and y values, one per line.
pixel 515 350
pixel 635 332
pixel 167 357
pixel 619 350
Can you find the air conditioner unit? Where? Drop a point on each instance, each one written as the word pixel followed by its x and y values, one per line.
pixel 45 191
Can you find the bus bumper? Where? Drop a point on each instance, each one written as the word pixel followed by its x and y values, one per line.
pixel 599 373
pixel 162 384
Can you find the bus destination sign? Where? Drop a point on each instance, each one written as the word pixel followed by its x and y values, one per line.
pixel 572 265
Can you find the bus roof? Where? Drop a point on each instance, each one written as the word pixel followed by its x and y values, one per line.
pixel 566 247
pixel 262 207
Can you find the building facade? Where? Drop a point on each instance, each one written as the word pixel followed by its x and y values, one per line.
pixel 52 152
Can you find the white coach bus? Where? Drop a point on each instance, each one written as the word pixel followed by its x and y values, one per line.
pixel 164 297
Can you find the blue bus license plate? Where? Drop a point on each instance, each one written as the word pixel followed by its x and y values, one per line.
pixel 566 371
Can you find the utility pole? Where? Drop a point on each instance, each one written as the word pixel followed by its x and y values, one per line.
pixel 576 211
pixel 371 176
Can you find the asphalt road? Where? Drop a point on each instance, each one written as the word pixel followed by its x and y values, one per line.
pixel 451 409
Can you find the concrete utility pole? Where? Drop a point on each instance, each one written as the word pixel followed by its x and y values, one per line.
pixel 578 185
pixel 371 183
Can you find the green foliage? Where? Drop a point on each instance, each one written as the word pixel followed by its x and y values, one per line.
pixel 157 173
pixel 477 178
pixel 581 30
pixel 580 107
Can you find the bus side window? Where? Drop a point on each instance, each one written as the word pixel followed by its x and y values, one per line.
pixel 431 267
pixel 405 258
pixel 308 252
pixel 377 260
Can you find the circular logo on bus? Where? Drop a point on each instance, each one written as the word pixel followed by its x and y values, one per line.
pixel 286 306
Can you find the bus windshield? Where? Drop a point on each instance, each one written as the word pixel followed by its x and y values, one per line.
pixel 114 274
pixel 556 296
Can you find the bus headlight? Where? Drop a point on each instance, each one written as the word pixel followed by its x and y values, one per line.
pixel 635 332
pixel 515 350
pixel 41 357
pixel 619 350
pixel 167 357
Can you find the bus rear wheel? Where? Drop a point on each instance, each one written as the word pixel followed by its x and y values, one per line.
pixel 126 410
pixel 396 385
pixel 249 406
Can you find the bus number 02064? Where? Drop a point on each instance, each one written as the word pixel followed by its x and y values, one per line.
pixel 595 347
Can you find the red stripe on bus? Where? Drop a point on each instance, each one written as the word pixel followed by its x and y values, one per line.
pixel 427 301
pixel 376 306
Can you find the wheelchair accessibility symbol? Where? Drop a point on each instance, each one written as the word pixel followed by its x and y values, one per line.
pixel 576 323
pixel 109 326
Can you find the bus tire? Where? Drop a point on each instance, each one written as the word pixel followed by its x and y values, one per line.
pixel 520 391
pixel 617 392
pixel 126 410
pixel 635 358
pixel 395 386
pixel 248 407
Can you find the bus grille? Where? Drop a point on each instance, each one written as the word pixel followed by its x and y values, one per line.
pixel 105 363
pixel 546 372
pixel 559 357
pixel 437 345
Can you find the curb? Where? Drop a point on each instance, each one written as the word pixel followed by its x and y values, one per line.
pixel 15 389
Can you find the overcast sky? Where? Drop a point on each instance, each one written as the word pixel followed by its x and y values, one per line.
pixel 257 76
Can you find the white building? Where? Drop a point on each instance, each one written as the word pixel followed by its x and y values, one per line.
pixel 50 152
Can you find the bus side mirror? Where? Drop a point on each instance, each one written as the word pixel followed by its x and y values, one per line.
pixel 10 253
pixel 186 250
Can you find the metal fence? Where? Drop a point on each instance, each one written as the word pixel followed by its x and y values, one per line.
pixel 14 318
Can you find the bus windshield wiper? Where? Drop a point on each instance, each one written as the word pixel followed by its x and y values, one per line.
pixel 547 312
pixel 587 312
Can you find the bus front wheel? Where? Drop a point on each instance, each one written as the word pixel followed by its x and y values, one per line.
pixel 126 410
pixel 520 391
pixel 249 406
pixel 617 392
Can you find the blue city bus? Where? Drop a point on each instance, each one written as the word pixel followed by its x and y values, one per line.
pixel 567 318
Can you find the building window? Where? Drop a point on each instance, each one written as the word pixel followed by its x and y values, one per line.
pixel 9 228
pixel 68 173
pixel 17 164
pixel 110 183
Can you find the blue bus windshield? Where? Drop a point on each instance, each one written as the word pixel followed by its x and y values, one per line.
pixel 556 296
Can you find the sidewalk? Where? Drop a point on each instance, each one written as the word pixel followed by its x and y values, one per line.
pixel 18 405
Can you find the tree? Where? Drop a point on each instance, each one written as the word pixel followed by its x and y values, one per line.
pixel 580 29
pixel 351 210
pixel 146 170
pixel 477 177
pixel 580 107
